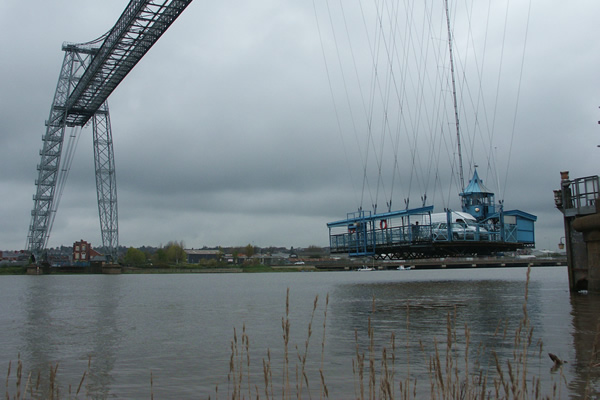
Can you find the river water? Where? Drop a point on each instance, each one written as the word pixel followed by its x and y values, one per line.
pixel 177 330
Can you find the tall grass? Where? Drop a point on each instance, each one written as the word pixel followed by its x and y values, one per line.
pixel 34 387
pixel 455 369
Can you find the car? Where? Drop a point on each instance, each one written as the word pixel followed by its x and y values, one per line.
pixel 458 231
pixel 299 263
pixel 471 230
pixel 439 231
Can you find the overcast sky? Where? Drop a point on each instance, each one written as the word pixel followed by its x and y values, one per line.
pixel 235 127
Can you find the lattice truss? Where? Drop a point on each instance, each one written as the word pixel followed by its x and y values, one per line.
pixel 89 74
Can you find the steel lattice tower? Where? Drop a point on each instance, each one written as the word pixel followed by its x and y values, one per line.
pixel 89 73
pixel 106 184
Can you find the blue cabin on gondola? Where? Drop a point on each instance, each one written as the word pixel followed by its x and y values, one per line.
pixel 477 200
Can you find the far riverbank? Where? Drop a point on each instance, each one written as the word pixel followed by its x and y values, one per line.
pixel 308 266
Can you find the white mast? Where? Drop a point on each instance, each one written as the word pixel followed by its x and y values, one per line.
pixel 460 163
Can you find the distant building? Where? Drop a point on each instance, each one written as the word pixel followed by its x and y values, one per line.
pixel 83 252
pixel 195 256
pixel 272 259
pixel 14 256
pixel 235 259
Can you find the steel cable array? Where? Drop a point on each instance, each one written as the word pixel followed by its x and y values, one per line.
pixel 399 53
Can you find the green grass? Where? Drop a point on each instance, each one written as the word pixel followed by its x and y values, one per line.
pixel 13 270
pixel 257 268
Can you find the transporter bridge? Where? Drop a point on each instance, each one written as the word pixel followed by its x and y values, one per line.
pixel 89 74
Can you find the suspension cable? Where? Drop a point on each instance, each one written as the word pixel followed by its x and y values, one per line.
pixel 64 170
pixel 512 134
pixel 335 107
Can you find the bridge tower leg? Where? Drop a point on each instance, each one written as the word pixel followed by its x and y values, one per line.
pixel 52 172
pixel 106 183
pixel 49 169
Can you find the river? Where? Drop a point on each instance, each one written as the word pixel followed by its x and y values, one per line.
pixel 170 336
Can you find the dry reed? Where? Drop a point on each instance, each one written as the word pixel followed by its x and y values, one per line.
pixel 452 371
pixel 30 390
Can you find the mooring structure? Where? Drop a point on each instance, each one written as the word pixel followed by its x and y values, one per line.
pixel 579 201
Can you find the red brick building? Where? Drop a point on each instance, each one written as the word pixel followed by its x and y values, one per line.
pixel 82 251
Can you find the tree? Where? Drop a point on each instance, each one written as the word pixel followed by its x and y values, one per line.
pixel 175 252
pixel 160 257
pixel 134 257
pixel 314 251
pixel 249 250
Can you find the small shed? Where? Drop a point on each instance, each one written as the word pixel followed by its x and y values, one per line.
pixel 525 224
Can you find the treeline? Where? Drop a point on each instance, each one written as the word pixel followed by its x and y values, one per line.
pixel 171 253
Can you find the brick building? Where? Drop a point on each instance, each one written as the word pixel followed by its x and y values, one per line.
pixel 83 252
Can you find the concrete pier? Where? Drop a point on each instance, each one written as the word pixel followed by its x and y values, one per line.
pixel 579 201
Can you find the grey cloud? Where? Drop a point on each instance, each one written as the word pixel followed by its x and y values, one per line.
pixel 225 133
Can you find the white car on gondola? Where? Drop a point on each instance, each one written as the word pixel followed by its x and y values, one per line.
pixel 462 227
